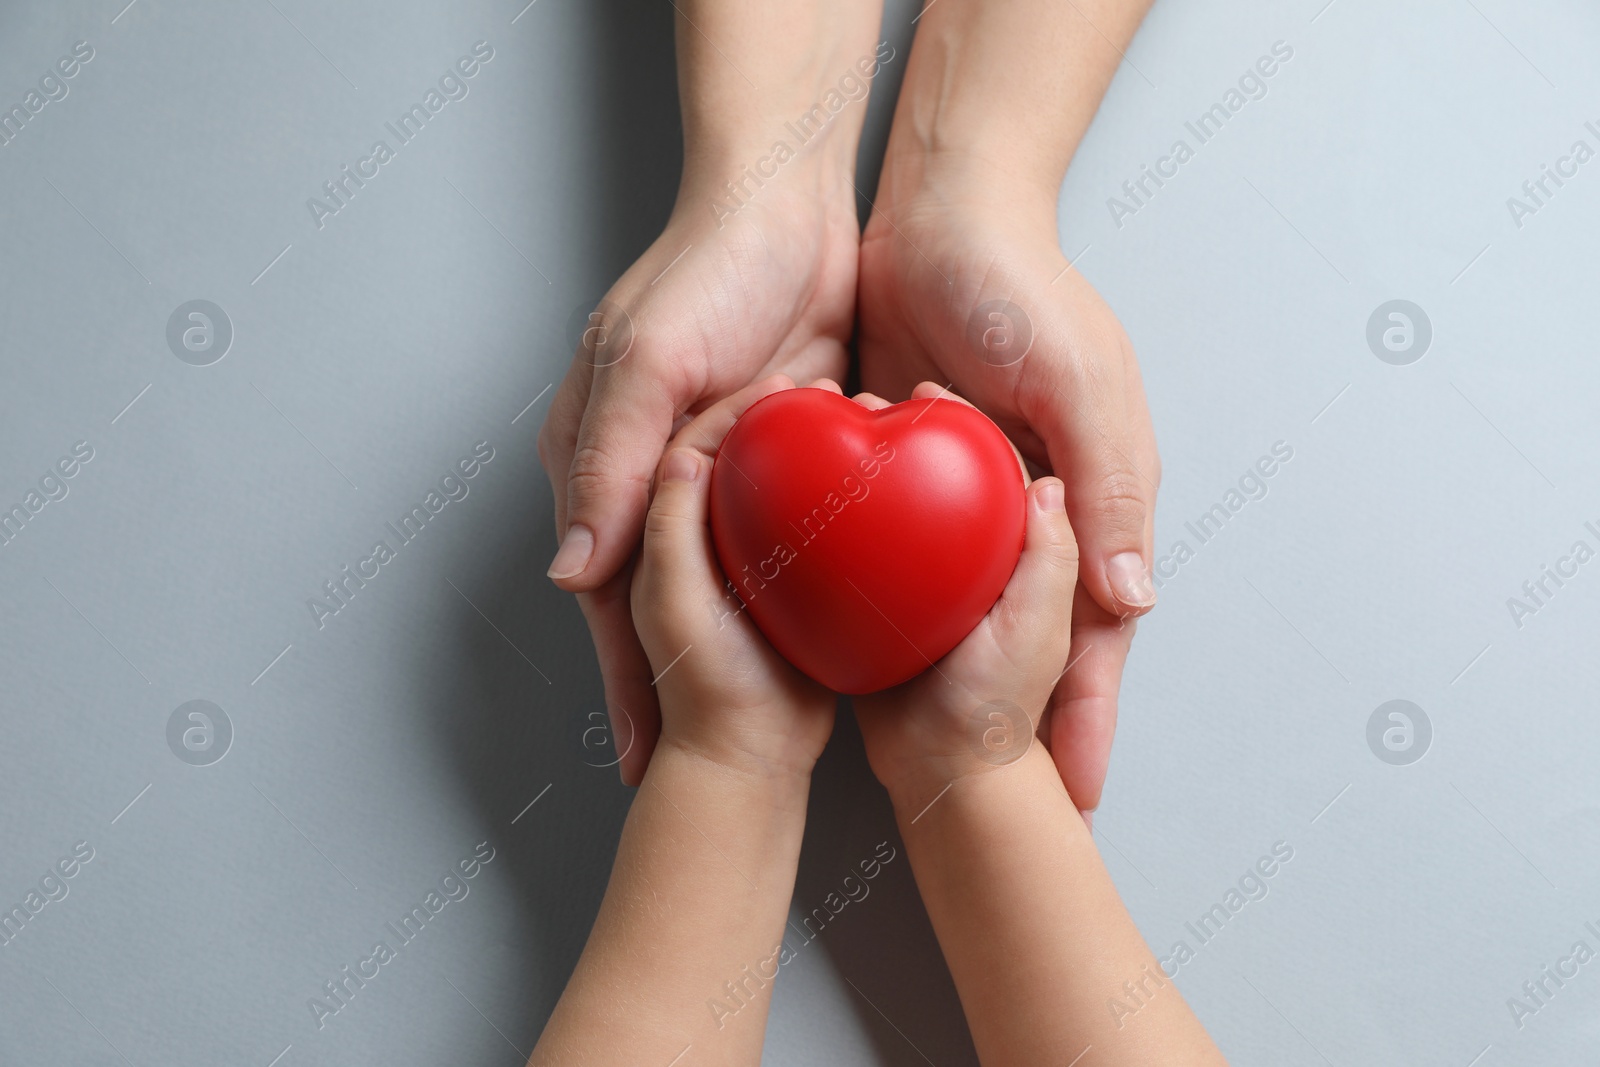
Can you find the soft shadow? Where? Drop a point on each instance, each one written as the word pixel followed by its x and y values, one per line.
pixel 502 727
pixel 883 943
pixel 507 732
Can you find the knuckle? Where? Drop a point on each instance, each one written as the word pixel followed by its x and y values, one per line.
pixel 660 523
pixel 592 462
pixel 1120 501
pixel 1060 570
pixel 1063 547
pixel 595 473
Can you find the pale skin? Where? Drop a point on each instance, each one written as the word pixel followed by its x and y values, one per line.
pixel 1030 924
pixel 699 893
pixel 996 97
pixel 771 290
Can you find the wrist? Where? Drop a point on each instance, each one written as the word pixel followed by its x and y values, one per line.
pixel 781 777
pixel 947 175
pixel 961 132
pixel 978 795
pixel 944 161
pixel 997 97
pixel 726 179
pixel 919 746
pixel 799 129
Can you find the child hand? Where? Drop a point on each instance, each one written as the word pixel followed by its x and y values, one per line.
pixel 724 693
pixel 978 708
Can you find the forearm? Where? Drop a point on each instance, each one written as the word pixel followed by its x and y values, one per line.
pixel 1032 928
pixel 684 950
pixel 749 74
pixel 999 93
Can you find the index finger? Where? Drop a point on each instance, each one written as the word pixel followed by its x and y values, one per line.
pixel 1082 712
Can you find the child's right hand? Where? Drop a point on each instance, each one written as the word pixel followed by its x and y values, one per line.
pixel 724 693
pixel 1037 940
pixel 978 708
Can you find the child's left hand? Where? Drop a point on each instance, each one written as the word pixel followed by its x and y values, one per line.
pixel 724 693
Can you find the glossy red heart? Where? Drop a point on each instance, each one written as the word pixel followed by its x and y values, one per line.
pixel 865 544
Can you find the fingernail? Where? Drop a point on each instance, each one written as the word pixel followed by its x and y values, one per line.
pixel 573 556
pixel 682 465
pixel 1130 580
pixel 1052 496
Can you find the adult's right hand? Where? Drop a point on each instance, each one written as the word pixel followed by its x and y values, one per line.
pixel 718 301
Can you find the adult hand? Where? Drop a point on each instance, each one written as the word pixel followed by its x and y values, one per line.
pixel 966 284
pixel 754 275
pixel 712 306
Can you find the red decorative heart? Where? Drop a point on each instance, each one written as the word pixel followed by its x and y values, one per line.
pixel 865 544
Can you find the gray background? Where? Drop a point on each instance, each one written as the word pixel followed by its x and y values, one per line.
pixel 427 315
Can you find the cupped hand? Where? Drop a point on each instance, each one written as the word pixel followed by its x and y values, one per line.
pixel 713 305
pixel 979 707
pixel 962 281
pixel 725 694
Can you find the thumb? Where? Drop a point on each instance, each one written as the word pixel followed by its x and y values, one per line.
pixel 624 429
pixel 676 524
pixel 676 562
pixel 1111 470
pixel 1081 393
pixel 1032 622
pixel 679 565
